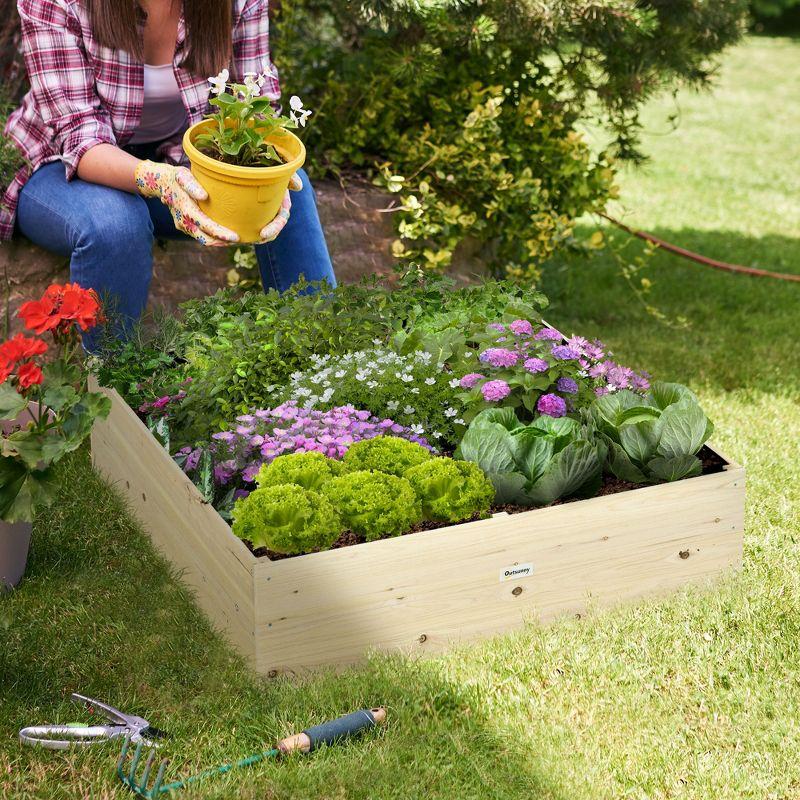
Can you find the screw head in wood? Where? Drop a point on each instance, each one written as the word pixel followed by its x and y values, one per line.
pixel 423 637
pixel 516 591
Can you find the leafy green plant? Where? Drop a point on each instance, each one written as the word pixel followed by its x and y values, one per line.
pixel 309 470
pixel 451 491
pixel 533 464
pixel 373 504
pixel 655 438
pixel 286 519
pixel 388 454
pixel 469 111
pixel 245 122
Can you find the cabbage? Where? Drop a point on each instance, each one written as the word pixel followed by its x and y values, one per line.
pixel 533 464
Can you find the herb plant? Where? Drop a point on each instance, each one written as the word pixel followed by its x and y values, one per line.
pixel 374 505
pixel 245 123
pixel 656 437
pixel 451 491
pixel 535 464
pixel 286 519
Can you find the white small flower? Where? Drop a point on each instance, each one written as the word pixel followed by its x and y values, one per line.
pixel 219 82
pixel 418 429
pixel 409 410
pixel 450 412
pixel 414 390
pixel 339 373
pixel 377 342
pixel 407 378
pixel 430 381
pixel 372 384
pixel 298 114
pixel 436 435
pixel 252 85
pixel 453 383
pixel 458 421
pixel 392 405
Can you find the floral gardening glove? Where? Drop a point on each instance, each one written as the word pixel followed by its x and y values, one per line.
pixel 271 230
pixel 178 189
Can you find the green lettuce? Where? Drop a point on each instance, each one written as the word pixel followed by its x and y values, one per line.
pixel 653 438
pixel 535 464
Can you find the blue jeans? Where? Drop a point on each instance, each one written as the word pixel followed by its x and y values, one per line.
pixel 108 236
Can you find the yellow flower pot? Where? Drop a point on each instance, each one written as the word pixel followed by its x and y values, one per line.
pixel 244 199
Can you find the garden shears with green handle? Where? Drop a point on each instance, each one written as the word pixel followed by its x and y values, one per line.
pixel 119 725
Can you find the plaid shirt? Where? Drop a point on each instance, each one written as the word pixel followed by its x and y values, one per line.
pixel 83 94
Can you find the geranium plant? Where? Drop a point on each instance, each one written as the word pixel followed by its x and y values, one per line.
pixel 244 121
pixel 46 408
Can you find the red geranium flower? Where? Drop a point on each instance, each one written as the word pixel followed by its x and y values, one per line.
pixel 21 348
pixel 60 308
pixel 28 375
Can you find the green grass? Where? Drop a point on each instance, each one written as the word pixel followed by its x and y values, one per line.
pixel 695 696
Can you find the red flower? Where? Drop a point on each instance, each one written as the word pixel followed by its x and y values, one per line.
pixel 28 375
pixel 21 348
pixel 60 308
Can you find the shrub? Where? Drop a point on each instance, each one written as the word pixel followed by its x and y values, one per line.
pixel 451 491
pixel 470 110
pixel 309 470
pixel 413 389
pixel 286 519
pixel 655 438
pixel 386 454
pixel 374 505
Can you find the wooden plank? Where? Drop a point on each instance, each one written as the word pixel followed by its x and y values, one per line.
pixel 213 562
pixel 421 592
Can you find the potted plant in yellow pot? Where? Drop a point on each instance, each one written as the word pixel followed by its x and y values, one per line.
pixel 244 154
pixel 46 412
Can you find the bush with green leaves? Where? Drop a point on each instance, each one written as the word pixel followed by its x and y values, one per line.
pixel 451 491
pixel 656 437
pixel 534 464
pixel 287 519
pixel 309 470
pixel 374 505
pixel 387 454
pixel 470 111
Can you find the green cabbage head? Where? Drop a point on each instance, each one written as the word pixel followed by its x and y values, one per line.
pixel 653 438
pixel 535 464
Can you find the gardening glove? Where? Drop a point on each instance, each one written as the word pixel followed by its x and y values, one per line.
pixel 271 230
pixel 179 190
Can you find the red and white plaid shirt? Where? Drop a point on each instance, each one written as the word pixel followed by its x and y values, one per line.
pixel 83 94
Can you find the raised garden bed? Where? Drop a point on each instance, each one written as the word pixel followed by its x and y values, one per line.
pixel 419 593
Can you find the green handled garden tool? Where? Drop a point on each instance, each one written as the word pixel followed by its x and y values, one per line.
pixel 328 733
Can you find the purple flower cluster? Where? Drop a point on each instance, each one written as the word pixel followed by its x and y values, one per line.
pixel 468 381
pixel 499 357
pixel 493 391
pixel 262 436
pixel 552 405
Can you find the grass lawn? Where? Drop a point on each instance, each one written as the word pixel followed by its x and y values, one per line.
pixel 696 696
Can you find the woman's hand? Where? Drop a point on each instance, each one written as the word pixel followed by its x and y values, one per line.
pixel 178 189
pixel 271 230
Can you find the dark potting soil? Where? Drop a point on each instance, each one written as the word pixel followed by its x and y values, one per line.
pixel 711 463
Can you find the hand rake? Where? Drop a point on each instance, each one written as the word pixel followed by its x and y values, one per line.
pixel 328 733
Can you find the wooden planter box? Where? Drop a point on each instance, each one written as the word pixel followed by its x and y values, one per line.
pixel 421 592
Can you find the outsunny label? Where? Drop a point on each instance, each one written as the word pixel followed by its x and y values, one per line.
pixel 516 572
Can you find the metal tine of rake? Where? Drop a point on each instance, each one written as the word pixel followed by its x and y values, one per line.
pixel 129 779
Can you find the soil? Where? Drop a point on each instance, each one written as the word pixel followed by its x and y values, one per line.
pixel 711 463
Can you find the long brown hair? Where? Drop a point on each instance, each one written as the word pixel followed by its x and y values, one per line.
pixel 208 31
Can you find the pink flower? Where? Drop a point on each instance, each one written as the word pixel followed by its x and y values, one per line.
pixel 549 333
pixel 493 391
pixel 535 365
pixel 499 357
pixel 552 405
pixel 521 327
pixel 468 381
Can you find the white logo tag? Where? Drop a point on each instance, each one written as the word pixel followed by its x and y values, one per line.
pixel 515 572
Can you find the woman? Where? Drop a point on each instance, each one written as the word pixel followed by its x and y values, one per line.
pixel 114 84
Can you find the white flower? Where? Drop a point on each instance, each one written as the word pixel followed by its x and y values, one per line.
pixel 409 410
pixel 458 421
pixel 251 81
pixel 392 405
pixel 339 373
pixel 450 412
pixel 430 381
pixel 372 384
pixel 436 435
pixel 377 342
pixel 455 382
pixel 418 429
pixel 298 114
pixel 414 390
pixel 219 82
pixel 407 378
